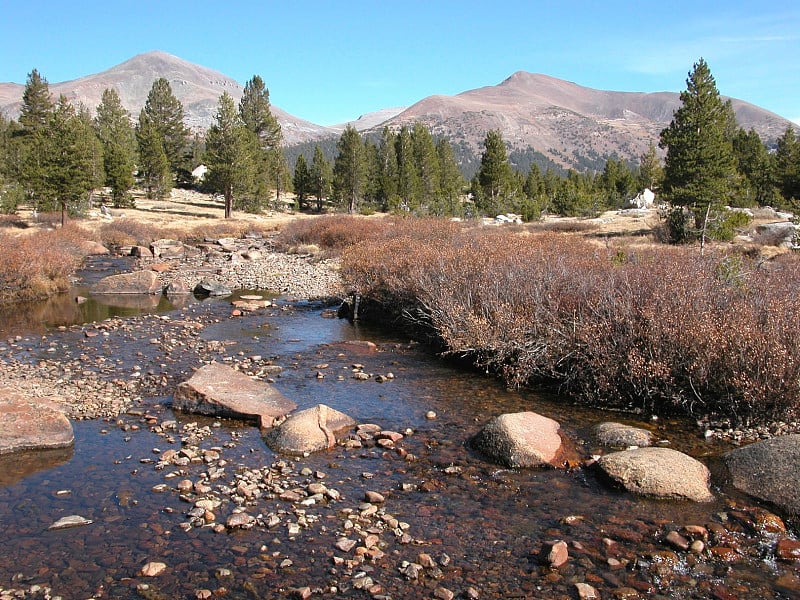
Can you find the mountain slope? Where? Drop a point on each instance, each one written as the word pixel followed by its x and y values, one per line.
pixel 573 126
pixel 198 88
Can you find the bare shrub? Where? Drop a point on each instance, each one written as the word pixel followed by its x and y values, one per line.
pixel 659 330
pixel 39 264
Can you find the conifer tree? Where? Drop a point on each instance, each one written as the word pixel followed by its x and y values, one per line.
pixel 76 158
pixel 255 112
pixel 451 181
pixel 165 114
pixel 229 153
pixel 37 103
pixel 153 161
pixel 787 166
pixel 426 162
pixel 116 134
pixel 700 170
pixel 301 181
pixel 755 166
pixel 494 176
pixel 651 172
pixel 349 169
pixel 321 176
pixel 408 185
pixel 387 169
pixel 31 145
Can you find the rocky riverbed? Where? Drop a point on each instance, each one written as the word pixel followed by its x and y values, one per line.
pixel 174 505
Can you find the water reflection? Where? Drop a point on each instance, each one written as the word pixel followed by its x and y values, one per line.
pixel 19 465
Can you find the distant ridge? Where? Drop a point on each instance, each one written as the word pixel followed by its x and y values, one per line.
pixel 565 124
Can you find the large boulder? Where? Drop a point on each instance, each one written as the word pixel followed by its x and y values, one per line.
pixel 137 282
pixel 92 248
pixel 309 430
pixel 31 424
pixel 524 439
pixel 619 435
pixel 219 391
pixel 167 249
pixel 211 288
pixel 768 471
pixel 658 472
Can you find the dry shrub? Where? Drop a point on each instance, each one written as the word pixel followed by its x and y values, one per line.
pixel 39 264
pixel 332 233
pixel 124 232
pixel 12 221
pixel 562 226
pixel 659 330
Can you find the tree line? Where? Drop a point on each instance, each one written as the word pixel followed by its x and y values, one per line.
pixel 56 154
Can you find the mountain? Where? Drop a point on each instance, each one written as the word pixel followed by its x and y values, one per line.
pixel 572 126
pixel 198 88
pixel 543 119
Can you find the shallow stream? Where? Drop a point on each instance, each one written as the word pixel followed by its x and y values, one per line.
pixel 484 526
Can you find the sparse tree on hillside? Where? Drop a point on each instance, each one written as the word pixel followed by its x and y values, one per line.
pixel 700 170
pixel 229 153
pixel 321 177
pixel 349 169
pixel 115 132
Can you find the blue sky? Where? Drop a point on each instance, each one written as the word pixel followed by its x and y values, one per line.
pixel 329 62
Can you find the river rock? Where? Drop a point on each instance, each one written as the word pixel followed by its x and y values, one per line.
pixel 137 282
pixel 658 472
pixel 619 435
pixel 219 391
pixel 31 424
pixel 768 471
pixel 92 248
pixel 141 252
pixel 309 430
pixel 70 521
pixel 524 439
pixel 167 249
pixel 211 288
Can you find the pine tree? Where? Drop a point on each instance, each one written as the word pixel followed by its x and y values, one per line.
pixel 349 169
pixel 494 175
pixel 116 134
pixel 755 167
pixel 229 150
pixel 451 181
pixel 408 185
pixel 37 103
pixel 255 112
pixel 387 169
pixel 153 161
pixel 787 166
pixel 165 113
pixel 700 170
pixel 76 158
pixel 426 162
pixel 302 181
pixel 321 177
pixel 651 173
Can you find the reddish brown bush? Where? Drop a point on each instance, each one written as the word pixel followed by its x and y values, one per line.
pixel 38 264
pixel 657 330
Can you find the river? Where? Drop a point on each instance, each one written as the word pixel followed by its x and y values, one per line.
pixel 482 526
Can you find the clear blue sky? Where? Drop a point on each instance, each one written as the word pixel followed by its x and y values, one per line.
pixel 331 61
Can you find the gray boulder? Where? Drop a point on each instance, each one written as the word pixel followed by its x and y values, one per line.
pixel 31 424
pixel 219 391
pixel 211 288
pixel 619 435
pixel 658 472
pixel 309 430
pixel 768 471
pixel 524 439
pixel 137 282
